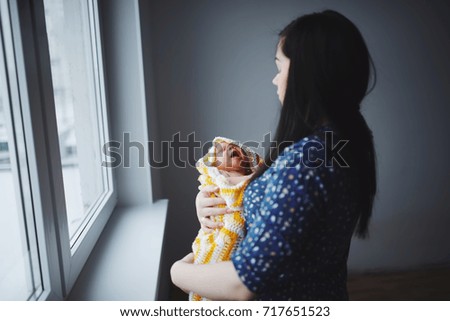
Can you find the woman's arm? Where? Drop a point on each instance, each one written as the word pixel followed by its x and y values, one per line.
pixel 218 281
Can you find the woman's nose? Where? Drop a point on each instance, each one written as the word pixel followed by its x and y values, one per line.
pixel 274 80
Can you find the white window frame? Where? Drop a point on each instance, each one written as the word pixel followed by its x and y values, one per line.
pixel 19 163
pixel 28 60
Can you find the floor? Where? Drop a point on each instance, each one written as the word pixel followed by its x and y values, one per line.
pixel 424 284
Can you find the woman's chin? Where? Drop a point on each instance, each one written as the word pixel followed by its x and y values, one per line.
pixel 280 99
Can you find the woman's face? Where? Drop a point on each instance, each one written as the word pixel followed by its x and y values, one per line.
pixel 280 79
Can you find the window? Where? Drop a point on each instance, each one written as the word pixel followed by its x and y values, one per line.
pixel 20 277
pixel 72 45
pixel 53 124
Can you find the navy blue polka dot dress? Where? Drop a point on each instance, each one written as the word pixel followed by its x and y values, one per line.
pixel 300 219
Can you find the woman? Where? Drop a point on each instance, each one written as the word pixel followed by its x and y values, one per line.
pixel 303 206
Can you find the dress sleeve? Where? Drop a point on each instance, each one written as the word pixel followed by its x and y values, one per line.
pixel 292 202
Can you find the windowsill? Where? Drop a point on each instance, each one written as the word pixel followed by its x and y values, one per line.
pixel 124 264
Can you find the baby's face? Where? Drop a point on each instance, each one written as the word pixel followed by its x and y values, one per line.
pixel 230 158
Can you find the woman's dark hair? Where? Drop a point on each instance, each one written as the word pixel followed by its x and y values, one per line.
pixel 328 78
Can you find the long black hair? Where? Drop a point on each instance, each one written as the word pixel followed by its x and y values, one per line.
pixel 328 77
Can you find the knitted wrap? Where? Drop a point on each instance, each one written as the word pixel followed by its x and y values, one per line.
pixel 220 244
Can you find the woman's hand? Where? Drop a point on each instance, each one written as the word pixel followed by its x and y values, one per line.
pixel 206 207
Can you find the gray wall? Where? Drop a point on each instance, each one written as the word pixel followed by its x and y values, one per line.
pixel 213 66
pixel 124 65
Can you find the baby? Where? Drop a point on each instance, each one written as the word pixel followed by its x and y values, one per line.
pixel 227 165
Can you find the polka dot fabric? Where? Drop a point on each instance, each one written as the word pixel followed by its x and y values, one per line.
pixel 299 221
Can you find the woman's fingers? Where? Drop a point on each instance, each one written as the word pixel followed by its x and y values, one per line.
pixel 212 201
pixel 213 211
pixel 207 190
pixel 207 206
pixel 207 230
pixel 205 196
pixel 209 224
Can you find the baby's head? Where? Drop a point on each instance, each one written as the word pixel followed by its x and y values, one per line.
pixel 232 158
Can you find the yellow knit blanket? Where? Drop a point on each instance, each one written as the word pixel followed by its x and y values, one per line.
pixel 219 245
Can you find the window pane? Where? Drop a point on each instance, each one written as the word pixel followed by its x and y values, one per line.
pixel 19 278
pixel 75 85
